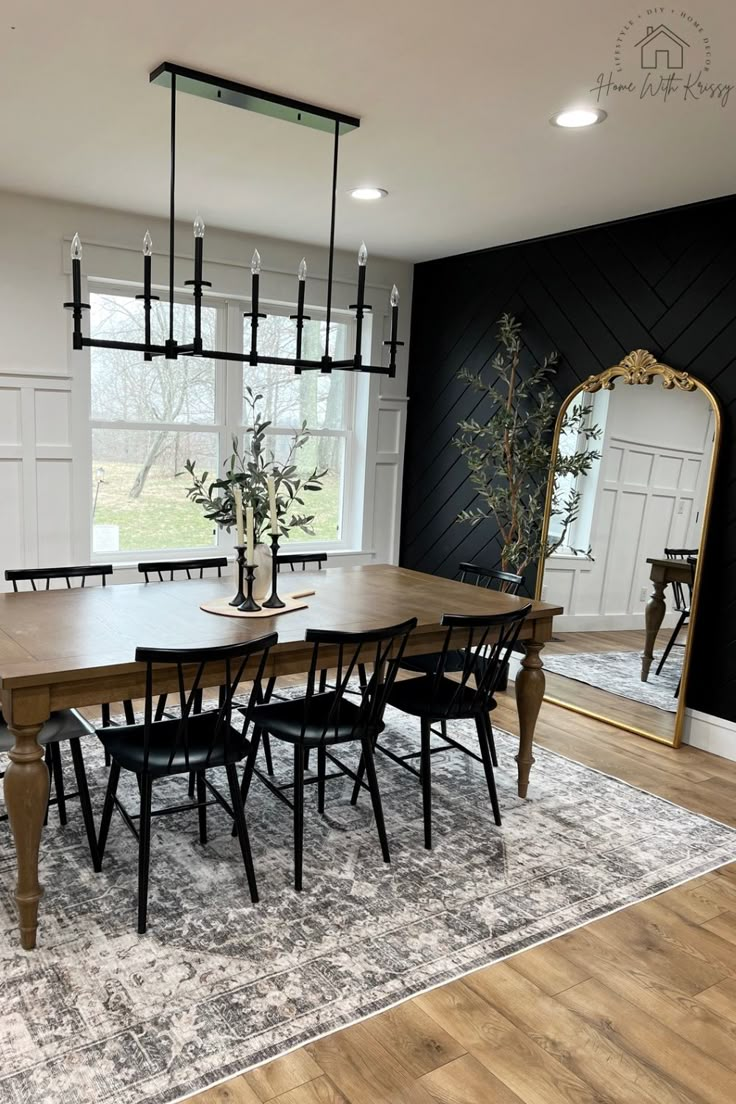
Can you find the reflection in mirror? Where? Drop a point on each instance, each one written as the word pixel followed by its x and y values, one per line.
pixel 625 536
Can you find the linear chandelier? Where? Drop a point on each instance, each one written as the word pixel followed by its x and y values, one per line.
pixel 220 90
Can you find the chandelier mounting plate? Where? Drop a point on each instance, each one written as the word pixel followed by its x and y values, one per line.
pixel 235 94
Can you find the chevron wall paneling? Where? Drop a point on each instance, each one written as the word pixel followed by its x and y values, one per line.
pixel 664 282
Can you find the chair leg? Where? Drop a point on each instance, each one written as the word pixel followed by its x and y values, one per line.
pixel 485 735
pixel 298 814
pixel 492 743
pixel 362 677
pixel 242 830
pixel 192 784
pixel 267 753
pixel 47 761
pixel 202 802
pixel 58 773
pixel 84 800
pixel 144 850
pixel 670 643
pixel 321 771
pixel 426 779
pixel 106 721
pixel 370 770
pixel 107 809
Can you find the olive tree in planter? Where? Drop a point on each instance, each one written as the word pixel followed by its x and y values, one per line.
pixel 509 453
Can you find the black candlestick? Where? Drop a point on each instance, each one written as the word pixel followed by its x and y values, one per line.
pixel 197 284
pixel 147 299
pixel 77 306
pixel 240 596
pixel 393 344
pixel 274 602
pixel 300 318
pixel 360 308
pixel 249 605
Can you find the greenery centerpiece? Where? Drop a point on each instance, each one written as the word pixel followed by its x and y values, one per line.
pixel 249 468
pixel 509 453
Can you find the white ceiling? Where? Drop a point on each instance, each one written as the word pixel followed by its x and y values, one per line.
pixel 454 100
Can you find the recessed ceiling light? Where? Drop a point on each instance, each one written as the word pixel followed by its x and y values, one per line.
pixel 368 193
pixel 578 117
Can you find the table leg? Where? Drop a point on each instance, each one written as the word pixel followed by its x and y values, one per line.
pixel 26 788
pixel 653 618
pixel 530 683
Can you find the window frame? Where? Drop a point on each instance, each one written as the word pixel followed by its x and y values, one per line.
pixel 229 388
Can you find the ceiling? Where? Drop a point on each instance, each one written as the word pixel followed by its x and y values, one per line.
pixel 454 100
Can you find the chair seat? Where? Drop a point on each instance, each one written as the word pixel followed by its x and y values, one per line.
pixel 285 720
pixel 125 743
pixel 64 724
pixel 424 697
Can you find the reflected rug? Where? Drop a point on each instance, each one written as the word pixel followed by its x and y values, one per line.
pixel 620 673
pixel 98 1014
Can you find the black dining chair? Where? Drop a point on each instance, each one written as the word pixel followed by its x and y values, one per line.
pixel 490 578
pixel 682 594
pixel 435 697
pixel 322 720
pixel 192 743
pixel 301 559
pixel 64 725
pixel 193 569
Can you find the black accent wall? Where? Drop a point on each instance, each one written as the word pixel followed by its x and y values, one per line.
pixel 664 282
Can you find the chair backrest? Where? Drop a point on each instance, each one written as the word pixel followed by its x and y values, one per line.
pixel 490 578
pixel 681 602
pixel 46 575
pixel 382 648
pixel 485 643
pixel 214 723
pixel 161 567
pixel 306 559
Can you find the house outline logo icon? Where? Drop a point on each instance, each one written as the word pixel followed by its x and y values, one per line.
pixel 661 48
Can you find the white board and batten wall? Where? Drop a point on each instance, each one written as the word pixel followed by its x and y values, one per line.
pixel 650 495
pixel 45 457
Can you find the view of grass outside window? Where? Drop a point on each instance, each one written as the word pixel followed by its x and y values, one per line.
pixel 147 418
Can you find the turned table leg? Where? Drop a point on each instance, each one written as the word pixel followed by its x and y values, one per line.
pixel 530 683
pixel 26 787
pixel 653 618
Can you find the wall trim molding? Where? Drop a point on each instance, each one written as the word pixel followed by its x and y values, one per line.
pixel 708 733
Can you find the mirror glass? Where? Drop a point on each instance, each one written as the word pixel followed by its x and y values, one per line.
pixel 625 526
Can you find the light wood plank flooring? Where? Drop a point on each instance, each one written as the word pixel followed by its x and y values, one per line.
pixel 637 714
pixel 638 1008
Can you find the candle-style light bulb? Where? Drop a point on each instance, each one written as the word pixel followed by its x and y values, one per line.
pixel 394 299
pixel 147 244
pixel 255 263
pixel 362 254
pixel 302 270
pixel 76 248
pixel 199 227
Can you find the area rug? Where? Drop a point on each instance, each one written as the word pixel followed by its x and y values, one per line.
pixel 98 1014
pixel 620 673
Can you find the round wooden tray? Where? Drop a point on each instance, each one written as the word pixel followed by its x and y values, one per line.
pixel 222 607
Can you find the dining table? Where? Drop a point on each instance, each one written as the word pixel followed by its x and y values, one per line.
pixel 75 648
pixel 662 572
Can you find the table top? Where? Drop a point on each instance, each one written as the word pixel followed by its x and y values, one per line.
pixel 50 634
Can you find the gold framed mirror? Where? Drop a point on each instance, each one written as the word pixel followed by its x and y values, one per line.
pixel 625 523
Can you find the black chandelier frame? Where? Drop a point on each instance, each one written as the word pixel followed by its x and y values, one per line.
pixel 178 78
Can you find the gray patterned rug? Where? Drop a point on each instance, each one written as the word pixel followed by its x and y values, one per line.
pixel 620 673
pixel 99 1015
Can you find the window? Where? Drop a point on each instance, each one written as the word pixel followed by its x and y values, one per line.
pixel 147 418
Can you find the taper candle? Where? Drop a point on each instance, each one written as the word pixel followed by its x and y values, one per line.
pixel 238 496
pixel 272 504
pixel 250 550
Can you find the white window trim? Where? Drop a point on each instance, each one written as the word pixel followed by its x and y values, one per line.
pixel 228 396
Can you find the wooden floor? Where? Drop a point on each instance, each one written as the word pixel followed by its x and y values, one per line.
pixel 638 1008
pixel 648 718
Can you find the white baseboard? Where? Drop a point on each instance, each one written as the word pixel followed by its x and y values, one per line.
pixel 713 734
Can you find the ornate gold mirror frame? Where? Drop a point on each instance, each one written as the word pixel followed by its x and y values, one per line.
pixel 640 367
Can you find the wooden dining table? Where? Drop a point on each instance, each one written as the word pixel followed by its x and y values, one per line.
pixel 662 572
pixel 75 648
